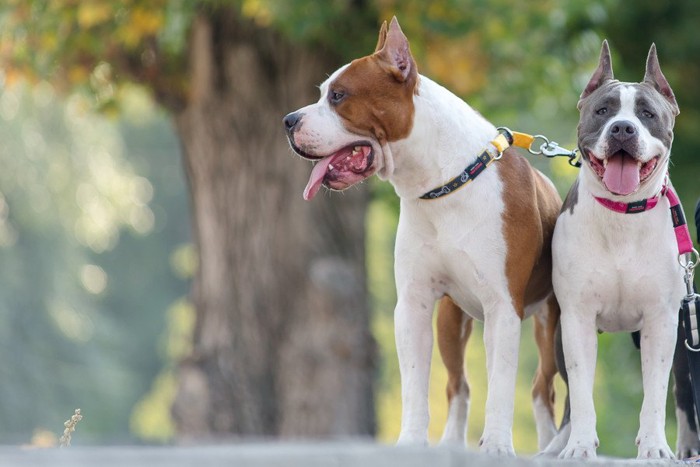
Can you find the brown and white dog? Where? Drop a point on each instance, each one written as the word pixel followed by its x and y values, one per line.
pixel 484 249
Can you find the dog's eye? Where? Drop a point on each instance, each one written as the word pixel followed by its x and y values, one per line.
pixel 602 111
pixel 647 114
pixel 335 96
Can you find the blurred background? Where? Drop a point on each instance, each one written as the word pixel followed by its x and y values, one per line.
pixel 158 266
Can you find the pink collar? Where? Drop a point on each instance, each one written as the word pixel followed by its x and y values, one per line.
pixel 685 243
pixel 631 208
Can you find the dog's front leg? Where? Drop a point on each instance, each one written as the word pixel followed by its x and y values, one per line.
pixel 502 339
pixel 657 346
pixel 580 342
pixel 414 345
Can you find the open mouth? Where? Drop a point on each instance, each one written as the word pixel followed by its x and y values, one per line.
pixel 303 153
pixel 343 168
pixel 621 173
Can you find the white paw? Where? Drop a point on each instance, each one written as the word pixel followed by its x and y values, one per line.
pixel 557 445
pixel 411 439
pixel 452 441
pixel 687 442
pixel 496 447
pixel 579 450
pixel 659 451
pixel 653 447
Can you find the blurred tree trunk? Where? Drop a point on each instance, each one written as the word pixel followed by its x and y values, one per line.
pixel 282 345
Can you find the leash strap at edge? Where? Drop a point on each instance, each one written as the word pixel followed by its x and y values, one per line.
pixel 689 315
pixel 693 360
pixel 689 312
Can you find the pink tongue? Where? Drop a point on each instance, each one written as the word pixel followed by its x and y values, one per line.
pixel 316 178
pixel 621 175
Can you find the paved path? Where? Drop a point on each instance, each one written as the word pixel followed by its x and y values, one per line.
pixel 334 454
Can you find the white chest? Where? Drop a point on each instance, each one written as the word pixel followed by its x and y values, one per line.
pixel 456 244
pixel 619 266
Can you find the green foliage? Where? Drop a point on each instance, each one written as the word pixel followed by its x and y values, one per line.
pixel 96 45
pixel 342 27
pixel 99 45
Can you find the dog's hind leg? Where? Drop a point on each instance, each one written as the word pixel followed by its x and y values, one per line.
pixel 546 320
pixel 558 443
pixel 453 330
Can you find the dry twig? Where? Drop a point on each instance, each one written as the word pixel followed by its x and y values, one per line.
pixel 70 428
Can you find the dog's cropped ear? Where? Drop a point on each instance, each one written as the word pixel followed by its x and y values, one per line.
pixel 603 73
pixel 382 38
pixel 656 78
pixel 396 53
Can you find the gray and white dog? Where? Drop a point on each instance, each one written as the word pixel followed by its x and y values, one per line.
pixel 614 250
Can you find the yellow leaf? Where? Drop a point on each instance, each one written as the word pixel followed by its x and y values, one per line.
pixel 92 13
pixel 49 41
pixel 257 10
pixel 146 22
pixel 141 24
pixel 458 63
pixel 78 74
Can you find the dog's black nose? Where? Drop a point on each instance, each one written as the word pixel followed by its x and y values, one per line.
pixel 291 120
pixel 623 130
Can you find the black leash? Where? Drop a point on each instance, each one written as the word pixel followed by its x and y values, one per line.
pixel 690 315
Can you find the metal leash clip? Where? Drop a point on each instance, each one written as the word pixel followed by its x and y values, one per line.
pixel 690 304
pixel 552 149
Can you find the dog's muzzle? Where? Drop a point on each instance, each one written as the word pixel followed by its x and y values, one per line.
pixel 623 136
pixel 291 122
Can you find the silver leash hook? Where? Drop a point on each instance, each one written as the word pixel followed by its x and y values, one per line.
pixel 689 260
pixel 553 149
